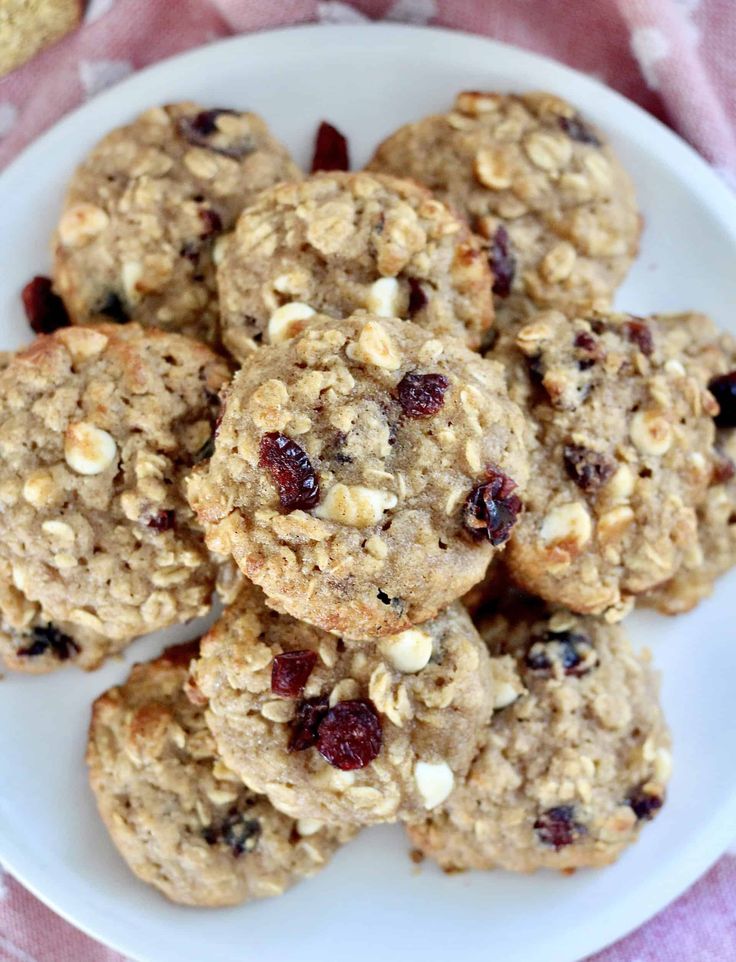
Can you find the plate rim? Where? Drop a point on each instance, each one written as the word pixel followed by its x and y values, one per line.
pixel 710 842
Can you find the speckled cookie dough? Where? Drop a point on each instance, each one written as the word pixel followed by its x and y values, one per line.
pixel 344 731
pixel 577 754
pixel 98 426
pixel 622 456
pixel 364 472
pixel 539 183
pixel 337 243
pixel 713 353
pixel 179 817
pixel 143 213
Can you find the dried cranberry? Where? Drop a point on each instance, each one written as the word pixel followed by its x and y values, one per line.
pixel 290 470
pixel 306 721
pixel 290 672
pixel 191 250
pixel 211 222
pixel 47 639
pixel 113 308
pixel 589 350
pixel 205 122
pixel 723 389
pixel 162 521
pixel 586 342
pixel 640 334
pixel 197 131
pixel 576 130
pixel 723 470
pixel 503 262
pixel 644 803
pixel 573 651
pixel 350 734
pixel 417 297
pixel 182 655
pixel 44 309
pixel 421 395
pixel 588 469
pixel 557 827
pixel 491 509
pixel 330 149
pixel 240 834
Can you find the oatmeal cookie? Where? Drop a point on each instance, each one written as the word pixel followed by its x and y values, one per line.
pixel 143 214
pixel 576 757
pixel 98 426
pixel 539 183
pixel 28 26
pixel 364 473
pixel 342 730
pixel 622 455
pixel 713 353
pixel 337 243
pixel 179 817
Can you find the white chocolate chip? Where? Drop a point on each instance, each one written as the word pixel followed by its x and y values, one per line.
pixel 309 826
pixel 40 489
pixel 87 449
pixel 698 461
pixel 621 485
pixel 504 694
pixel 383 297
pixel 355 505
pixel 651 433
pixel 59 530
pixel 408 651
pixel 219 249
pixel 287 321
pixel 81 223
pixel 435 781
pixel 375 346
pixel 567 524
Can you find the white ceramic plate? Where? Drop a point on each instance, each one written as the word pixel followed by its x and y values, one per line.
pixel 372 903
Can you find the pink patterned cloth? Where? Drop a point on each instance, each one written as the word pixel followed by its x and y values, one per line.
pixel 673 57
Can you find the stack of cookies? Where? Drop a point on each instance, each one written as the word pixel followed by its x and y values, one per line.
pixel 391 419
